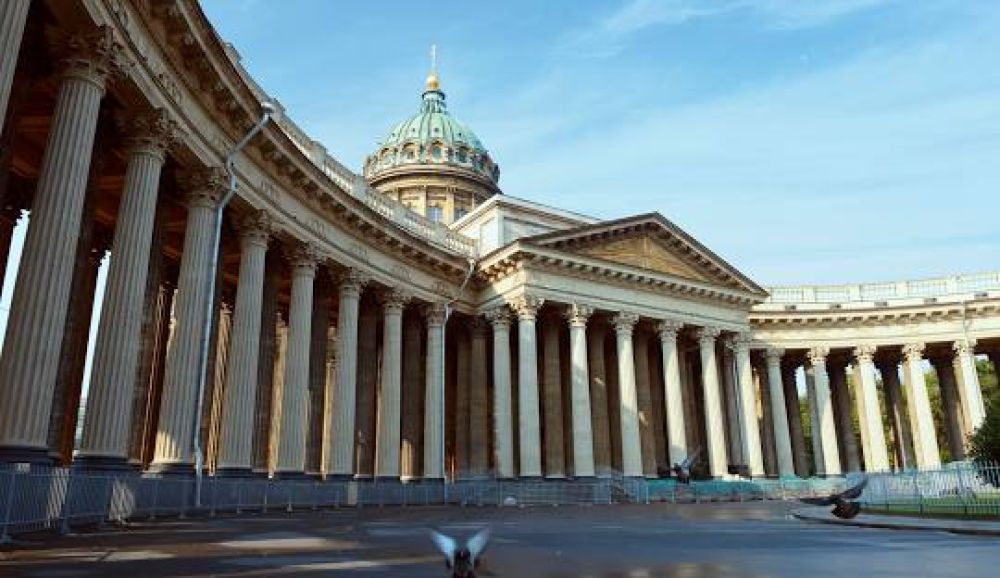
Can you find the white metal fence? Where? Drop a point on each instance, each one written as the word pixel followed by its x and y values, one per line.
pixel 56 499
pixel 961 488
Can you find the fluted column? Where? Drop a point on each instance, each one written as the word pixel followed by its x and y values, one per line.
pixel 552 402
pixel 29 361
pixel 413 399
pixel 847 443
pixel 479 440
pixel 294 401
pixel 779 415
pixel 599 422
pixel 347 366
pixel 889 368
pixel 503 425
pixel 13 16
pixel 644 403
pixel 434 395
pixel 952 407
pixel 794 414
pixel 180 382
pixel 628 400
pixel 925 441
pixel 748 406
pixel 713 402
pixel 236 451
pixel 970 393
pixel 583 441
pixel 815 432
pixel 116 354
pixel 366 390
pixel 673 398
pixel 825 426
pixel 329 399
pixel 527 386
pixel 390 396
pixel 876 456
pixel 460 417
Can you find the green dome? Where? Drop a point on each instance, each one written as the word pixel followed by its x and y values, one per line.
pixel 432 137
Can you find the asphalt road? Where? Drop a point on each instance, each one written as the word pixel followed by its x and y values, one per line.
pixel 656 541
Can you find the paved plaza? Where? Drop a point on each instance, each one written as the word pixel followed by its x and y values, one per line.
pixel 655 541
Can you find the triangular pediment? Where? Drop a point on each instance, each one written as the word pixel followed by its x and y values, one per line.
pixel 652 243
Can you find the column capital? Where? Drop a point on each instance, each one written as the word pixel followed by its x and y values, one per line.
pixel 964 346
pixel 707 335
pixel 303 257
pixel 91 56
pixel 204 186
pixel 254 227
pixel 434 312
pixel 527 306
pixel 774 354
pixel 499 316
pixel 913 351
pixel 352 281
pixel 624 322
pixel 668 329
pixel 740 342
pixel 394 299
pixel 817 355
pixel 478 325
pixel 865 353
pixel 151 132
pixel 578 314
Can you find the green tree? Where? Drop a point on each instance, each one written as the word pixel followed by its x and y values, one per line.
pixel 984 445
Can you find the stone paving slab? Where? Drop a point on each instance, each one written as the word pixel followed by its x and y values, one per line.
pixel 973 527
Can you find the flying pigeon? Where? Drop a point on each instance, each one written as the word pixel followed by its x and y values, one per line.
pixel 462 562
pixel 843 504
pixel 683 470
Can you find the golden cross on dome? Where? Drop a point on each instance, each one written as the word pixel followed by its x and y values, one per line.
pixel 433 83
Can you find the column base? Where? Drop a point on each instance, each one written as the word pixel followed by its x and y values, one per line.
pixel 25 454
pixel 86 463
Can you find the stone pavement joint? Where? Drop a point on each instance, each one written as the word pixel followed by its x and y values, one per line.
pixel 971 527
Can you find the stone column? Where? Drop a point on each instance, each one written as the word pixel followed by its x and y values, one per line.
pixel 779 414
pixel 479 425
pixel 631 445
pixel 583 445
pixel 969 391
pixel 876 458
pixel 503 425
pixel 762 388
pixel 342 461
pixel 13 16
pixel 791 391
pixel 330 389
pixel 295 393
pixel 460 417
pixel 319 391
pixel 527 381
pixel 9 217
pixel 390 394
pixel 600 422
pixel 552 411
pixel 644 403
pixel 827 429
pixel 814 425
pixel 180 382
pixel 945 371
pixel 264 407
pixel 367 390
pixel 845 423
pixel 236 452
pixel 727 387
pixel 925 441
pixel 413 399
pixel 106 430
pixel 713 402
pixel 897 412
pixel 29 361
pixel 748 406
pixel 434 395
pixel 673 396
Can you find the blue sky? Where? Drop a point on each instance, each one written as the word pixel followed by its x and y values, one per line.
pixel 804 141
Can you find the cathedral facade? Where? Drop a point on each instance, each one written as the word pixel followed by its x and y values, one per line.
pixel 411 322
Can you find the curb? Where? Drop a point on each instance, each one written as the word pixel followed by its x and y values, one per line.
pixel 967 531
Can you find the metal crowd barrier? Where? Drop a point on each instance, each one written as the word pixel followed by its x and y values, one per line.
pixel 960 488
pixel 58 498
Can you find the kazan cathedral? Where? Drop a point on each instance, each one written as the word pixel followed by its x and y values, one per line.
pixel 413 322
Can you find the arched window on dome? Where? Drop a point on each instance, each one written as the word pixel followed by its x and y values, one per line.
pixel 461 156
pixel 436 152
pixel 410 155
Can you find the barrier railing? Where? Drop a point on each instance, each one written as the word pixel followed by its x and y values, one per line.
pixel 961 488
pixel 56 499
